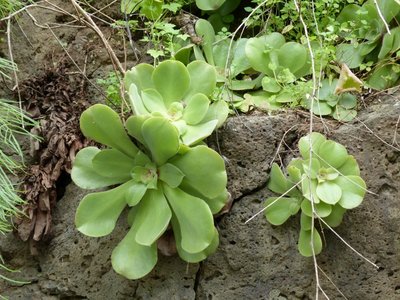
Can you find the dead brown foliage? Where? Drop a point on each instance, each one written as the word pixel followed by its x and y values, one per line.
pixel 56 99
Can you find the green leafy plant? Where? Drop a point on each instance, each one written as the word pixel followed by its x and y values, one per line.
pixel 179 93
pixel 363 27
pixel 323 184
pixel 111 84
pixel 163 182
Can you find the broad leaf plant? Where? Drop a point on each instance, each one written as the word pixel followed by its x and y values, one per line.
pixel 164 184
pixel 321 186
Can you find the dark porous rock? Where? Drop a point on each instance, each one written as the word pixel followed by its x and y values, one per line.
pixel 254 260
pixel 259 261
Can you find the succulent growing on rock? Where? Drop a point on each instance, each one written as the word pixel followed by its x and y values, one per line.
pixel 179 93
pixel 323 184
pixel 162 181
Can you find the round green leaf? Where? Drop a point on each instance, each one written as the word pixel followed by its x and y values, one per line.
pixel 321 209
pixel 305 222
pixel 194 218
pixel 193 257
pixel 102 124
pixel 292 56
pixel 332 154
pixel 278 182
pixel 83 174
pixel 97 213
pixel 203 78
pixel 161 137
pixel 136 101
pixel 196 133
pixel 205 30
pixel 114 164
pixel 270 85
pixel 321 108
pixel 311 168
pixel 349 167
pixel 209 4
pixel 347 100
pixel 172 80
pixel 309 188
pixel 329 192
pixel 306 243
pixel 196 109
pixel 152 217
pixel 258 52
pixel 204 170
pixel 134 127
pixel 135 193
pixel 344 115
pixel 171 175
pixel 315 139
pixel 354 189
pixel 336 216
pixel 281 209
pixel 153 101
pixel 140 75
pixel 218 110
pixel 131 259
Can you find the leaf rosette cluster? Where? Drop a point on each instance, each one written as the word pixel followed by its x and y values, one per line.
pixel 164 183
pixel 323 184
pixel 179 93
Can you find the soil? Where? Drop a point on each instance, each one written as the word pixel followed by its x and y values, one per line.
pixel 254 260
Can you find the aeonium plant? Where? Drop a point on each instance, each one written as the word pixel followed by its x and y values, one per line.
pixel 322 184
pixel 164 183
pixel 180 94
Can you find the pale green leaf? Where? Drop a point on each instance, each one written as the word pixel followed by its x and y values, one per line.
pixel 131 259
pixel 196 109
pixel 161 138
pixel 135 193
pixel 152 217
pixel 195 219
pixel 83 174
pixel 336 216
pixel 204 170
pixel 349 167
pixel 171 175
pixel 205 30
pixel 329 192
pixel 332 154
pixel 321 209
pixel 315 139
pixel 97 213
pixel 203 79
pixel 172 80
pixel 278 182
pixel 102 124
pixel 193 257
pixel 197 133
pixel 307 242
pixel 113 163
pixel 281 209
pixel 153 101
pixel 354 189
pixel 134 127
pixel 136 101
pixel 140 75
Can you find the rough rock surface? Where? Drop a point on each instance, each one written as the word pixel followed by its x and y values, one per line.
pixel 254 260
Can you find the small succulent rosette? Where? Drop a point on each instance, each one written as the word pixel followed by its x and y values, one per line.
pixel 323 184
pixel 164 183
pixel 179 93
